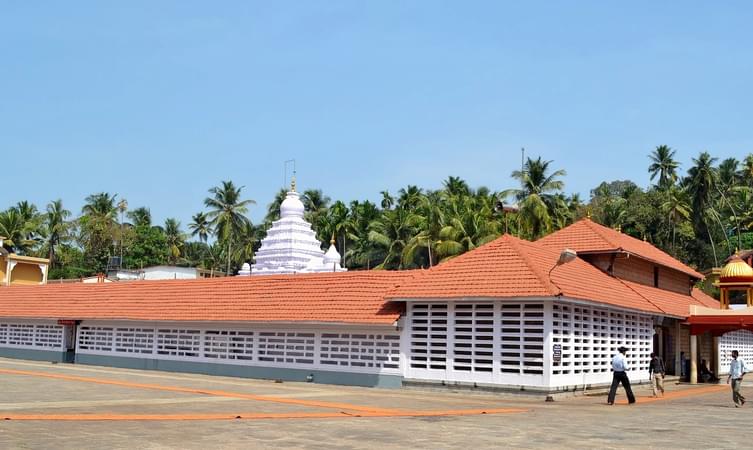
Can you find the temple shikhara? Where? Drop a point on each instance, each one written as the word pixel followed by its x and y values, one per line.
pixel 291 245
pixel 545 315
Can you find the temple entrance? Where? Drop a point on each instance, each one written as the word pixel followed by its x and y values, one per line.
pixel 69 340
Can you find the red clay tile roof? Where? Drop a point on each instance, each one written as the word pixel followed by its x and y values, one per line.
pixel 352 297
pixel 513 268
pixel 588 236
pixel 505 268
pixel 673 303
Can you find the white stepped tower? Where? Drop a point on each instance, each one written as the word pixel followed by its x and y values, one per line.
pixel 291 246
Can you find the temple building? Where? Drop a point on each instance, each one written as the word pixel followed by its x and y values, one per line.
pixel 291 245
pixel 545 316
pixel 16 269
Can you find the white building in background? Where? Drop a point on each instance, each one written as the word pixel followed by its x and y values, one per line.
pixel 158 273
pixel 291 245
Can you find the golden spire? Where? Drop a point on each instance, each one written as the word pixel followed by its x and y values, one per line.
pixel 292 183
pixel 619 228
pixel 588 214
pixel 332 241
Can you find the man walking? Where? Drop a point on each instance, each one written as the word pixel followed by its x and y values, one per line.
pixel 737 371
pixel 656 374
pixel 619 369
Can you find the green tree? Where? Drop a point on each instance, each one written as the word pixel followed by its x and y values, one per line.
pixel 536 195
pixel 701 185
pixel 390 234
pixel 200 226
pixel 227 214
pixel 56 227
pixel 664 166
pixel 147 246
pixel 174 239
pixel 140 217
pixel 677 210
pixel 18 233
pixel 98 230
pixel 273 209
pixel 316 204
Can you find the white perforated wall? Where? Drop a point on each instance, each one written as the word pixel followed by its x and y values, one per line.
pixel 481 342
pixel 31 335
pixel 352 351
pixel 588 338
pixel 740 340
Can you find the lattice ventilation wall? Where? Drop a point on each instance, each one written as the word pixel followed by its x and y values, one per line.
pixel 588 338
pixel 31 336
pixel 352 351
pixel 740 340
pixel 490 342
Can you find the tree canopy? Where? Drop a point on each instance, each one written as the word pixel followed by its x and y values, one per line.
pixel 700 217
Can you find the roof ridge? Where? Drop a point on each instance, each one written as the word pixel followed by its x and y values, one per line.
pixel 545 281
pixel 601 231
pixel 597 228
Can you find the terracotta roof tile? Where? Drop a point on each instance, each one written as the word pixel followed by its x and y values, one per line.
pixel 588 236
pixel 352 297
pixel 512 268
pixel 673 303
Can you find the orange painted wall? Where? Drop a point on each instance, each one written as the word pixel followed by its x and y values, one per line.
pixel 26 274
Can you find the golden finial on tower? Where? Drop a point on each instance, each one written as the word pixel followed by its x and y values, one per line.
pixel 292 183
pixel 332 241
pixel 619 228
pixel 588 214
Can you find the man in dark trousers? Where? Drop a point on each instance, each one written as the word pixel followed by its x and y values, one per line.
pixel 619 369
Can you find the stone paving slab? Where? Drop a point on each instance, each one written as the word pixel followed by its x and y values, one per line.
pixel 690 417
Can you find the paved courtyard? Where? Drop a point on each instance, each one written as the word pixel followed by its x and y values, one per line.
pixel 68 406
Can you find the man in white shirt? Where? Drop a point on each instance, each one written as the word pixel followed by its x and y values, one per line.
pixel 737 371
pixel 619 369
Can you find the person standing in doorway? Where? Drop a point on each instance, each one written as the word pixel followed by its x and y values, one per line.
pixel 656 374
pixel 619 375
pixel 737 371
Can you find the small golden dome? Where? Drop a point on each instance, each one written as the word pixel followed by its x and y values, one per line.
pixel 736 270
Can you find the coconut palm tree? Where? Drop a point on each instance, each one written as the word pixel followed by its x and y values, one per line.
pixel 701 184
pixel 56 227
pixel 410 197
pixel 316 205
pixel 729 176
pixel 387 200
pixel 336 223
pixel 16 231
pixel 746 172
pixel 677 210
pixel 273 209
pixel 100 205
pixel 535 195
pixel 245 245
pixel 174 238
pixel 200 226
pixel 456 186
pixel 390 234
pixel 140 217
pixel 227 213
pixel 664 166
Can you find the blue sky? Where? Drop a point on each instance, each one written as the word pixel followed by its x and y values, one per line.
pixel 159 101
